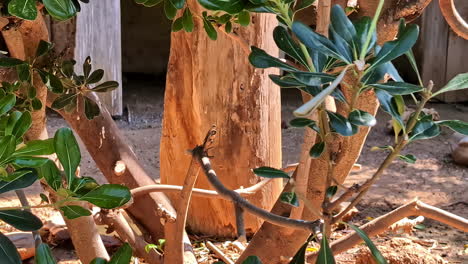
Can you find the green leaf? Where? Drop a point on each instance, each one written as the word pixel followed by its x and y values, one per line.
pixel 44 198
pixel 91 108
pixel 169 9
pixel 64 100
pixel 151 3
pixel 375 252
pixel 7 103
pixel 361 118
pixel 8 252
pixel 313 78
pixel 36 104
pixel 95 77
pixel 268 172
pixel 106 87
pixel 362 27
pixel 244 18
pixel 459 82
pixel 24 75
pixel 83 185
pixel 210 30
pixel 342 25
pixel 425 128
pixel 74 211
pixel 317 150
pixel 228 27
pixel 52 82
pixel 290 198
pixel 68 68
pixel 179 4
pixel 68 152
pixel 394 49
pixel 51 174
pixel 252 260
pixel 331 191
pixel 29 162
pixel 122 256
pixel 108 196
pixel 230 6
pixel 408 158
pixel 177 25
pixel 23 181
pixel 7 148
pixel 307 108
pixel 7 62
pixel 389 105
pixel 456 125
pixel 398 88
pixel 260 59
pixel 299 257
pixel 35 148
pixel 285 42
pixel 342 47
pixel 60 9
pixel 43 48
pixel 315 41
pixel 303 4
pixel 187 20
pixel 22 125
pixel 22 220
pixel 325 255
pixel 25 9
pixel 301 122
pixel 98 261
pixel 340 124
pixel 285 81
pixel 44 255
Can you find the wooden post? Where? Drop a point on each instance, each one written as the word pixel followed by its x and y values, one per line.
pixel 212 83
pixel 98 34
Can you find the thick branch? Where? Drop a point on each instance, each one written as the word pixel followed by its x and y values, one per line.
pixel 453 18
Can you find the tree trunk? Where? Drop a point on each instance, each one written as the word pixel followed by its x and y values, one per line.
pixel 212 83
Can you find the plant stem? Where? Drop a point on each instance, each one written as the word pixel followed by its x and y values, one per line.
pixel 371 30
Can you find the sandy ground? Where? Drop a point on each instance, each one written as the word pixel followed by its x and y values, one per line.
pixel 434 178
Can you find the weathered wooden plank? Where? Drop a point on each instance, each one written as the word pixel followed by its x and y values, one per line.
pixel 98 34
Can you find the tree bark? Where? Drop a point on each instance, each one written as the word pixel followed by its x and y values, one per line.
pixel 212 83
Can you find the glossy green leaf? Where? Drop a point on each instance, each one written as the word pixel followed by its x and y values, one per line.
pixel 301 122
pixel 312 78
pixel 43 48
pixel 361 118
pixel 325 255
pixel 177 25
pixel 22 220
pixel 60 9
pixel 377 74
pixel 68 68
pixel 83 185
pixel 29 162
pixel 260 59
pixel 179 4
pixel 425 128
pixel 23 181
pixel 187 20
pixel 7 148
pixel 51 174
pixel 209 29
pixel 285 42
pixel 36 147
pixel 44 255
pixel 398 88
pixel 44 198
pixel 228 27
pixel 98 261
pixel 52 82
pixel 106 87
pixel 95 77
pixel 289 198
pixel 24 75
pixel 68 152
pixel 122 256
pixel 375 252
pixel 258 2
pixel 268 172
pixel 285 81
pixel 408 158
pixel 389 105
pixel 74 211
pixel 230 6
pixel 7 62
pixel 91 108
pixel 362 27
pixel 8 252
pixel 459 82
pixel 22 125
pixel 299 257
pixel 169 9
pixel 108 196
pixel 25 9
pixel 331 191
pixel 315 41
pixel 87 67
pixel 317 150
pixel 456 125
pixel 393 49
pixel 244 18
pixel 342 25
pixel 36 104
pixel 344 48
pixel 64 100
pixel 7 103
pixel 340 124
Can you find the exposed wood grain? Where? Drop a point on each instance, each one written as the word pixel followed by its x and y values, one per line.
pixel 212 83
pixel 98 35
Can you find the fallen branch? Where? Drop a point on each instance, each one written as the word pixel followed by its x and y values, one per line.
pixel 218 253
pixel 384 222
